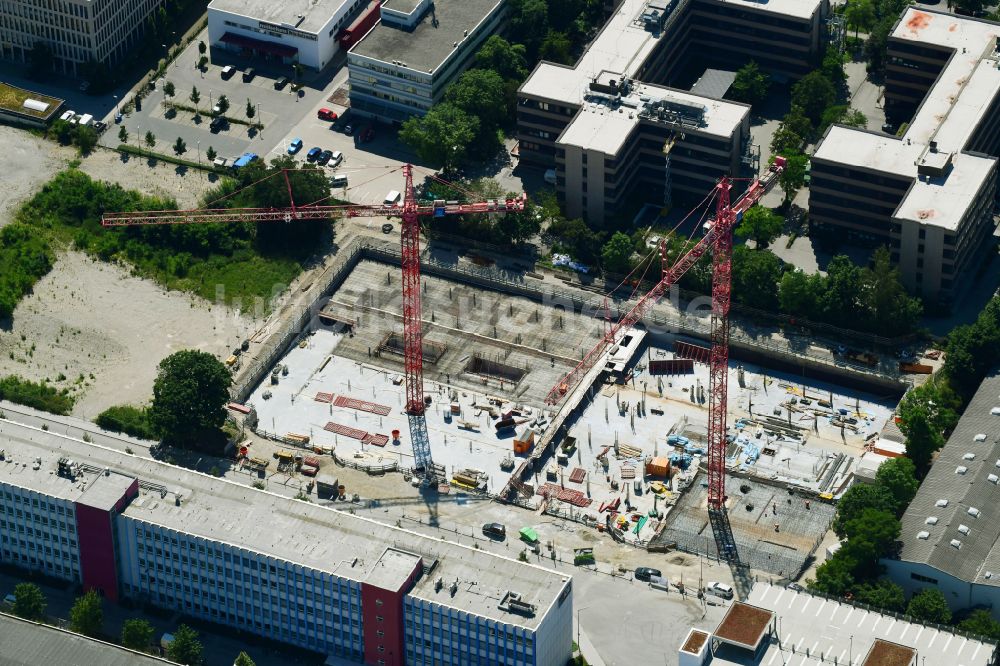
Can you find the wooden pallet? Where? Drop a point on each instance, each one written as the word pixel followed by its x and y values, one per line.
pixel 577 475
pixel 361 405
pixel 346 431
pixel 324 397
pixel 375 440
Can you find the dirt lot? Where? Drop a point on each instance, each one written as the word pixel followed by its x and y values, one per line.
pixel 149 176
pixel 93 320
pixel 28 162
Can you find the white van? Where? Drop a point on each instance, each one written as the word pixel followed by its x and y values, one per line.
pixel 335 159
pixel 86 119
pixel 392 198
pixel 719 590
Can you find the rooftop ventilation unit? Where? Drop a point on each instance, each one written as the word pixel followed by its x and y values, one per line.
pixel 973 511
pixel 964 529
pixel 961 469
pixel 995 411
pixel 941 503
pixel 514 604
pixel 931 520
pixel 970 456
pixel 955 543
pixel 981 437
pixel 923 535
pixel 438 584
pixel 993 478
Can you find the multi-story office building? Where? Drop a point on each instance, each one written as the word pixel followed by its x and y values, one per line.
pixel 929 193
pixel 78 31
pixel 402 66
pixel 285 569
pixel 305 32
pixel 612 128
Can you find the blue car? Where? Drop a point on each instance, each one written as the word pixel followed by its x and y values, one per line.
pixel 313 153
pixel 294 146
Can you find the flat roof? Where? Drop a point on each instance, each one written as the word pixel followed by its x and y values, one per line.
pixel 949 114
pixel 393 569
pixel 300 532
pixel 624 45
pixel 884 653
pixel 830 628
pixel 744 625
pixel 599 126
pixel 305 15
pixel 429 44
pixel 928 528
pixel 26 642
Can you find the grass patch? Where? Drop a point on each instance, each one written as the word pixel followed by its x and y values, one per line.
pixel 24 259
pixel 38 396
pixel 206 259
pixel 172 159
pixel 127 419
pixel 230 119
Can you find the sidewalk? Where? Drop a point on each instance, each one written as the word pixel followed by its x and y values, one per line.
pixel 588 650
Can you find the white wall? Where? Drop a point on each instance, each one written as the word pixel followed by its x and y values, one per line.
pixel 554 636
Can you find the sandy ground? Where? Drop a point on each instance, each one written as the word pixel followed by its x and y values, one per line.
pixel 94 321
pixel 28 162
pixel 149 176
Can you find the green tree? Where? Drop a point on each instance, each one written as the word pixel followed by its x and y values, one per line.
pixel 180 147
pixel 970 7
pixel 250 110
pixel 203 62
pixel 556 47
pixel 87 616
pixel 441 137
pixel 62 130
pixel 870 536
pixel 761 225
pixel 936 400
pixel 189 396
pixel 137 634
pixel 835 576
pixel 751 84
pixel 123 134
pixel 860 496
pixel 980 622
pixel 899 477
pixel 877 43
pixel 529 20
pixel 756 274
pixel 841 299
pixel 150 139
pixel 41 60
pixel 793 176
pixel 186 647
pixel 973 350
pixel 202 47
pixel 860 15
pixel 882 594
pixel 813 93
pixel 616 255
pixel 929 605
pixel 506 59
pixel 29 602
pixel 211 154
pixel 243 659
pixel 195 96
pixel 480 93
pixel 892 310
pixel 832 67
pixel 576 238
pixel 85 139
pixel 785 140
pixel 800 294
pixel 168 88
pixel 922 440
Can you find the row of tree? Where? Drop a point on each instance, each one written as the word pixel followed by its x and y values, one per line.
pixel 87 618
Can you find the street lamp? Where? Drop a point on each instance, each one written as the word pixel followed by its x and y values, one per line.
pixel 117 111
pixel 578 611
pixel 199 152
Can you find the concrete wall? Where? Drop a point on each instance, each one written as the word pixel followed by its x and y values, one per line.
pixel 553 639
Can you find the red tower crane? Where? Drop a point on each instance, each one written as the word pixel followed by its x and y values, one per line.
pixel 410 211
pixel 718 238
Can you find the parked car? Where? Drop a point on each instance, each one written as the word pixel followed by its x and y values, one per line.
pixel 645 573
pixel 719 590
pixel 228 71
pixel 326 114
pixel 495 530
pixel 294 146
pixel 100 126
pixel 336 158
pixel 118 118
pixel 324 157
pixel 338 181
pixel 218 123
pixel 248 74
pixel 348 130
pixel 392 198
pixel 795 587
pixel 313 153
pixel 281 83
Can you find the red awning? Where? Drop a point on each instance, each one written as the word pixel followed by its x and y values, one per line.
pixel 259 45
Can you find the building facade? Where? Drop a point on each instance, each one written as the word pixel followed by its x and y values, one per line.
pixel 284 32
pixel 929 193
pixel 403 65
pixel 681 141
pixel 286 570
pixel 77 31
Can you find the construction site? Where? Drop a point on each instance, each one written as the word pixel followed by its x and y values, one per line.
pixel 624 458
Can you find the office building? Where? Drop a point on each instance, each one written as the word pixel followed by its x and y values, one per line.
pixel 303 31
pixel 77 31
pixel 403 65
pixel 951 529
pixel 781 626
pixel 613 128
pixel 285 569
pixel 929 193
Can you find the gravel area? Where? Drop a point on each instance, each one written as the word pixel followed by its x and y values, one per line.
pixel 28 162
pixel 94 320
pixel 149 176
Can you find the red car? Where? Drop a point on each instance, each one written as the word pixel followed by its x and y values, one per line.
pixel 326 114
